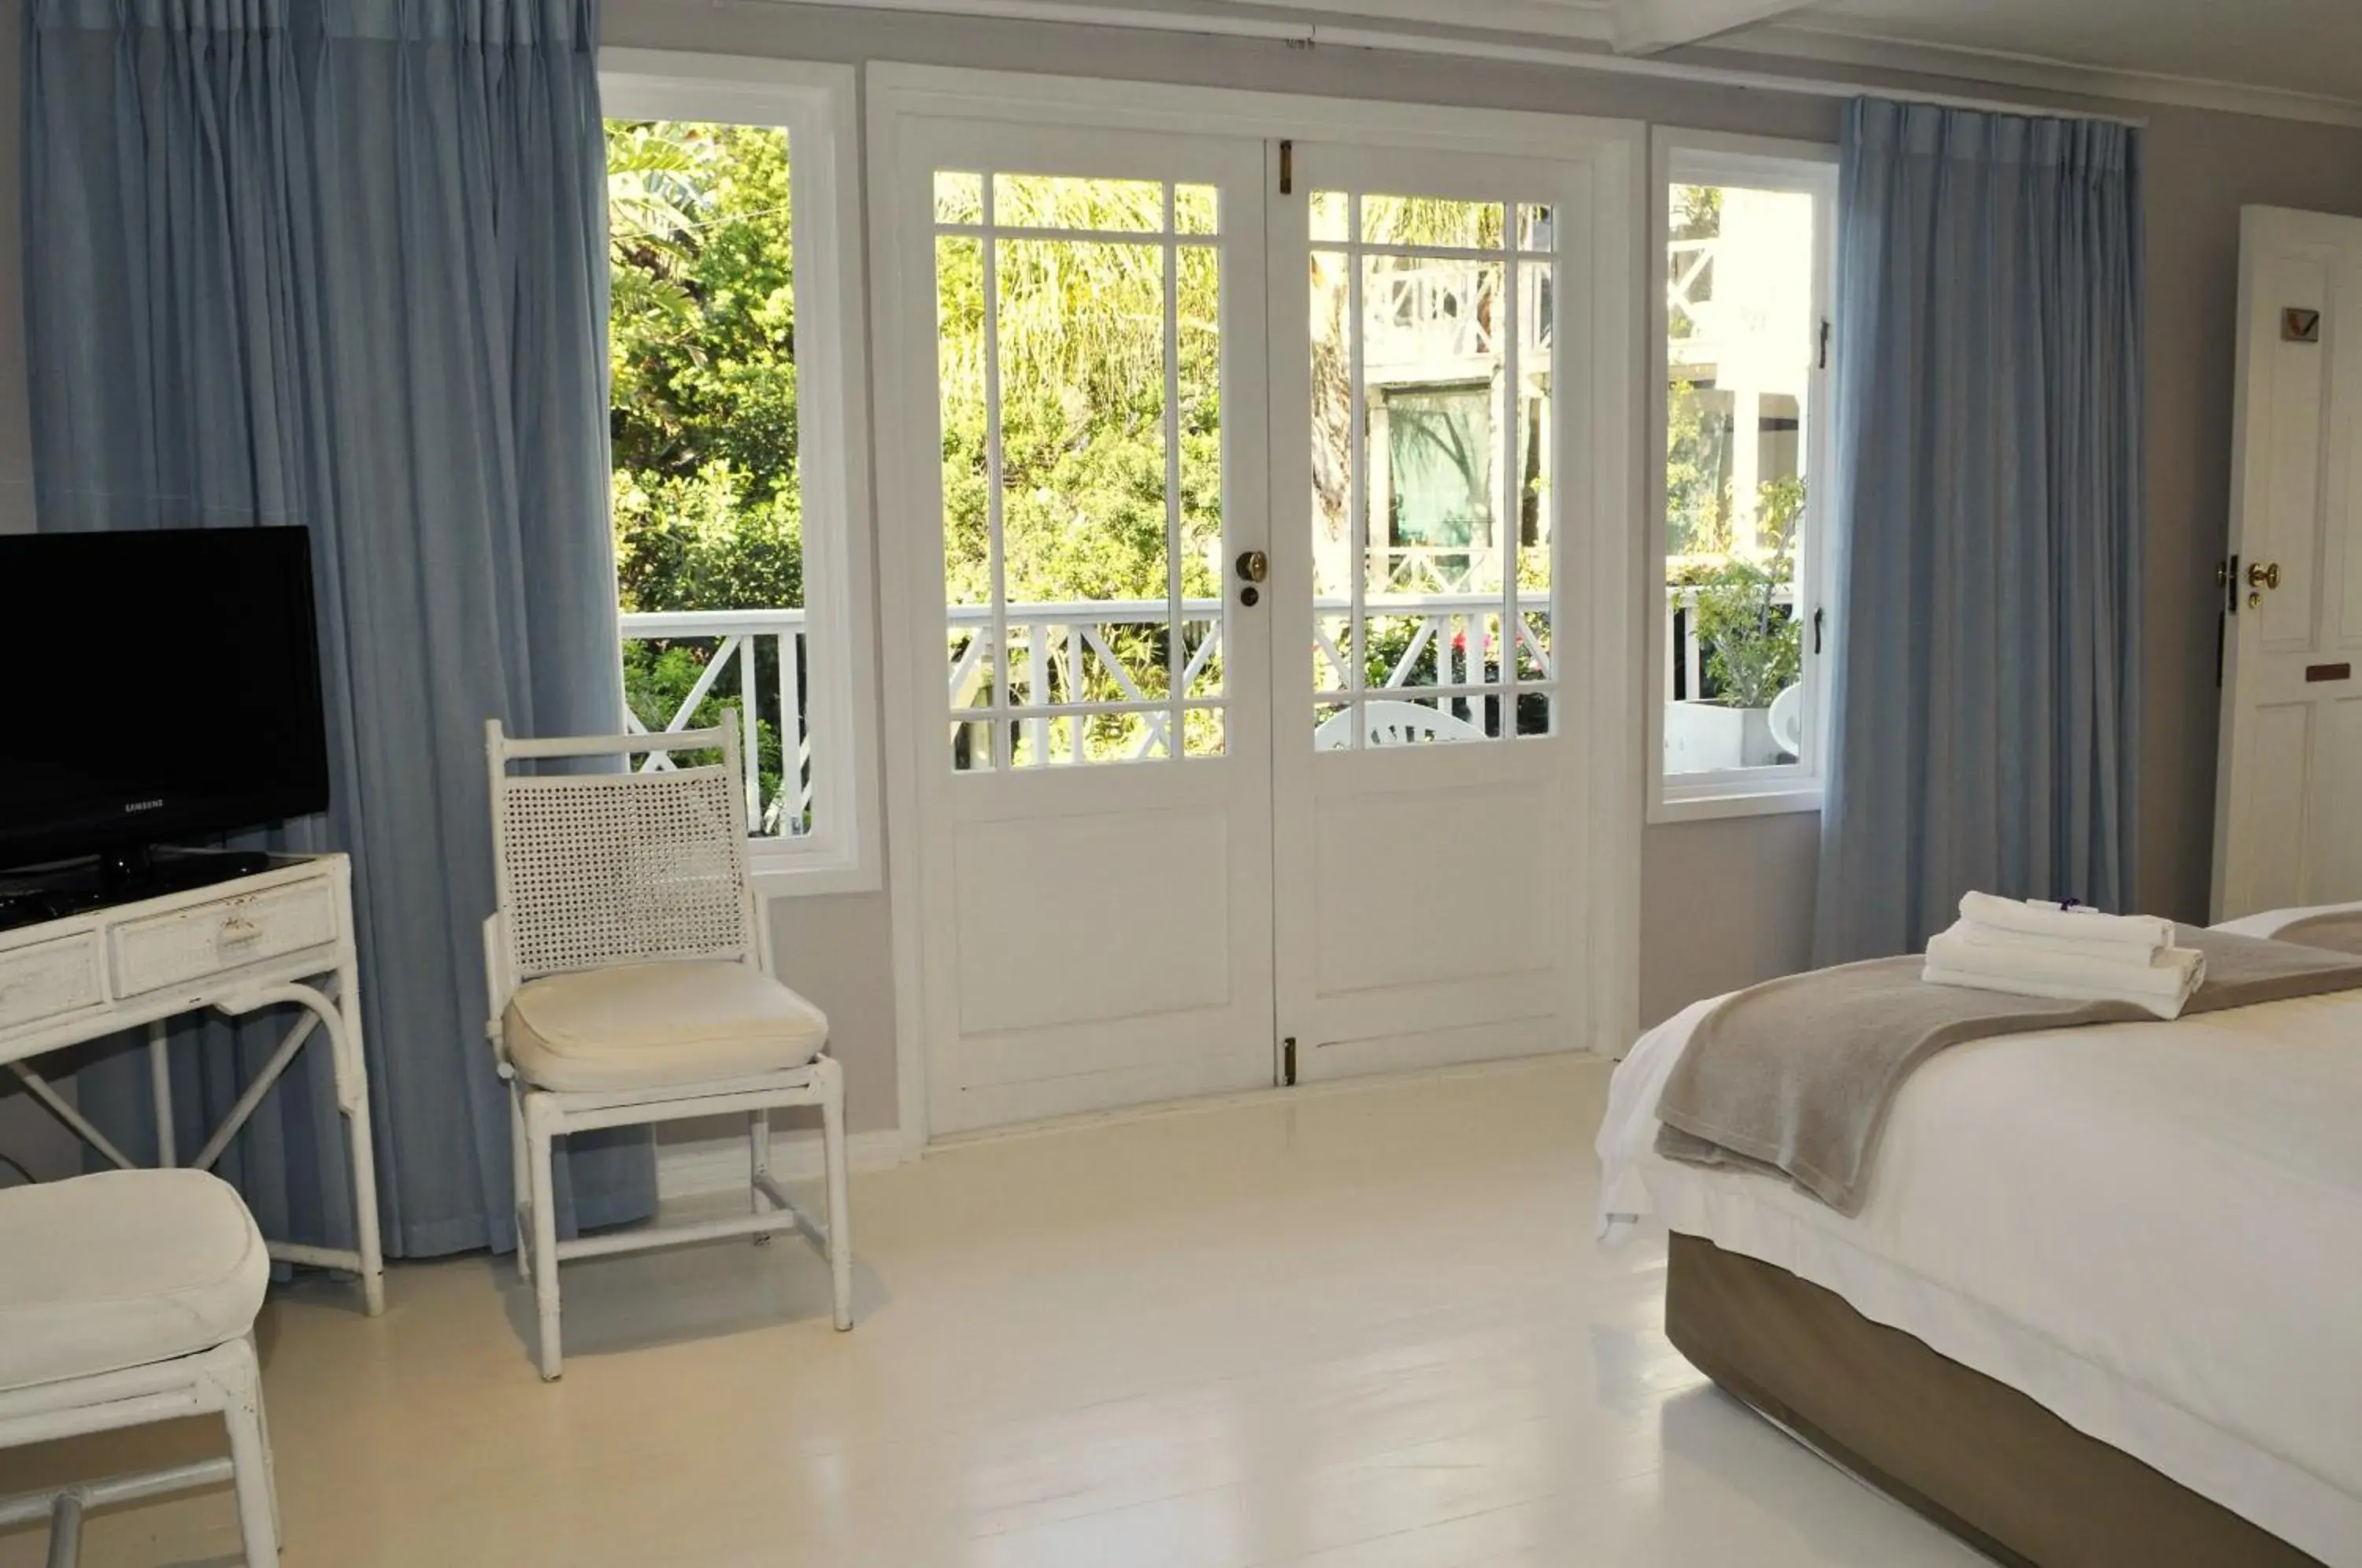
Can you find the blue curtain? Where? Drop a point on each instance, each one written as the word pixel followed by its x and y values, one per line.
pixel 344 263
pixel 1985 500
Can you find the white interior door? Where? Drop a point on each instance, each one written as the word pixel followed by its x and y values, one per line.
pixel 1431 375
pixel 1095 769
pixel 2288 793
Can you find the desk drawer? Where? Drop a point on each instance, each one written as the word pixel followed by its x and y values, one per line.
pixel 165 950
pixel 50 979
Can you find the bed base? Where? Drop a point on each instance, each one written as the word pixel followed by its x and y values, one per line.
pixel 1973 1454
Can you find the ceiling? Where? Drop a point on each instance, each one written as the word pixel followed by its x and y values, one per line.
pixel 2300 58
pixel 2310 47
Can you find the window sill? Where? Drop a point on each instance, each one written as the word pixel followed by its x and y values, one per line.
pixel 789 874
pixel 1706 802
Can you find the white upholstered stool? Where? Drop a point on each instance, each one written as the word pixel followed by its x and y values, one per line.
pixel 128 1298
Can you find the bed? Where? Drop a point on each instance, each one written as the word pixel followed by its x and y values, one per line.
pixel 2102 1307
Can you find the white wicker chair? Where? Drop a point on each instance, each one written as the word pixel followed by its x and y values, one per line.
pixel 629 965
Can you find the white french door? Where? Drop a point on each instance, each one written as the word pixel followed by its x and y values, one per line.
pixel 1234 528
pixel 1431 343
pixel 1097 875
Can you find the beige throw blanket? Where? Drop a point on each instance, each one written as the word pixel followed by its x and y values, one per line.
pixel 1796 1076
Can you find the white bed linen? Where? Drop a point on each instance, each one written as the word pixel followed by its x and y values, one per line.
pixel 2153 1229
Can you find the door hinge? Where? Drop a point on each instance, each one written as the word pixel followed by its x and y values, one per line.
pixel 1287 1063
pixel 1287 169
pixel 1824 343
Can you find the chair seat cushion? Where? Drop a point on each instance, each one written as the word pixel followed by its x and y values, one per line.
pixel 120 1269
pixel 657 1026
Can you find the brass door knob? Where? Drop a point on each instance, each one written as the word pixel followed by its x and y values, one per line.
pixel 1254 565
pixel 2262 576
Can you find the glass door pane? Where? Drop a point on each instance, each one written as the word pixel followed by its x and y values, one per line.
pixel 1080 361
pixel 1432 507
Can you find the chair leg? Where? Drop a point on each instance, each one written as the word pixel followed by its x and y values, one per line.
pixel 759 1164
pixel 840 1231
pixel 270 1465
pixel 249 1457
pixel 520 1182
pixel 65 1530
pixel 545 1240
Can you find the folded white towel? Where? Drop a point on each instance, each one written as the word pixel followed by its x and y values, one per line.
pixel 2041 918
pixel 2106 949
pixel 2163 986
pixel 1935 974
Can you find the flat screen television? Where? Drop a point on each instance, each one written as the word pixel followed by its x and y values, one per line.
pixel 166 687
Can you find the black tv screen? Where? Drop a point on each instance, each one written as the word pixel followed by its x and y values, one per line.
pixel 176 677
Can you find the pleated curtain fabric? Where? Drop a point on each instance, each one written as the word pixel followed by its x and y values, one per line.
pixel 343 264
pixel 1985 503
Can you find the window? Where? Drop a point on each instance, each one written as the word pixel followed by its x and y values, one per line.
pixel 737 428
pixel 1739 623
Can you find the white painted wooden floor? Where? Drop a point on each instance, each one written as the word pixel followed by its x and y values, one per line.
pixel 1363 1329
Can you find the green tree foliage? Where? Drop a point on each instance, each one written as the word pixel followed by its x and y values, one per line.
pixel 701 354
pixel 702 368
pixel 1697 432
pixel 1697 495
pixel 1083 389
pixel 1754 644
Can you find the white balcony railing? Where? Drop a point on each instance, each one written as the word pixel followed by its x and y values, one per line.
pixel 779 808
pixel 764 653
pixel 756 658
pixel 1436 314
pixel 1076 636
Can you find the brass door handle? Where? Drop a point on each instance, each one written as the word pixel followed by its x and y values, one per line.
pixel 2262 576
pixel 1254 565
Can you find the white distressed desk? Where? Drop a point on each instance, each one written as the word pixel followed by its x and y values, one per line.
pixel 278 936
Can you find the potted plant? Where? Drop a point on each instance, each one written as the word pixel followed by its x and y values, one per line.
pixel 1752 641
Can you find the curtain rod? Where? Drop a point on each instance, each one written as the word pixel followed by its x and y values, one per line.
pixel 1309 35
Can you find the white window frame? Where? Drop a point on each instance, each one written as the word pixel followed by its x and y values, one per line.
pixel 1700 157
pixel 818 106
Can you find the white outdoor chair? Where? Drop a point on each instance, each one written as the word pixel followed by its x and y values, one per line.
pixel 629 965
pixel 128 1298
pixel 1386 722
pixel 1786 719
